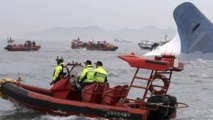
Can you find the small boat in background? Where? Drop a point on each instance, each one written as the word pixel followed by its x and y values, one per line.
pixel 145 45
pixel 92 45
pixel 149 45
pixel 27 46
pixel 101 45
pixel 78 44
pixel 121 40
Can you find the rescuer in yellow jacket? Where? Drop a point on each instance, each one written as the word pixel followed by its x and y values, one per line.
pixel 100 74
pixel 87 75
pixel 58 70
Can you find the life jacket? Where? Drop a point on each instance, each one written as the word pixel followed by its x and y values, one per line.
pixel 100 75
pixel 89 74
pixel 60 73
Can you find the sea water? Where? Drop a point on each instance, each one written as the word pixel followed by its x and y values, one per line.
pixel 194 85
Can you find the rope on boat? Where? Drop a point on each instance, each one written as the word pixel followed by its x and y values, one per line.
pixel 156 106
pixel 5 80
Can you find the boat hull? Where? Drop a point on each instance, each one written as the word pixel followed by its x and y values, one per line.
pixel 145 45
pixel 55 106
pixel 19 48
pixel 194 28
pixel 103 49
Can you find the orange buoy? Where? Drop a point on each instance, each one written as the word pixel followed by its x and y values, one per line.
pixel 131 53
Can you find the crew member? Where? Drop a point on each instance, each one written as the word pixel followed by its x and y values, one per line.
pixel 100 74
pixel 58 70
pixel 154 46
pixel 34 43
pixel 87 75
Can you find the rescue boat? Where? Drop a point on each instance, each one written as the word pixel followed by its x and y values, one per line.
pixel 27 46
pixel 91 45
pixel 100 100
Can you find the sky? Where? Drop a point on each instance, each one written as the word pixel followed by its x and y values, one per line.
pixel 20 16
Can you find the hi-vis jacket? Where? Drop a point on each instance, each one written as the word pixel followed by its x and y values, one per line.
pixel 100 74
pixel 58 71
pixel 87 74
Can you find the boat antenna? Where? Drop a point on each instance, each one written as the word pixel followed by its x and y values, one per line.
pixel 166 37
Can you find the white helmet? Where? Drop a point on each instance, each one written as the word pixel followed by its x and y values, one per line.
pixel 59 59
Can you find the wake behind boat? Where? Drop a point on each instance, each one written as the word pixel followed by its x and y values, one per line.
pixel 27 46
pixel 100 100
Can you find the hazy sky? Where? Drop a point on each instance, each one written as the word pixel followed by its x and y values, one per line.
pixel 20 16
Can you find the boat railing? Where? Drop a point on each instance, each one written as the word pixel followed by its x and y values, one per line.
pixel 152 105
pixel 150 89
pixel 155 106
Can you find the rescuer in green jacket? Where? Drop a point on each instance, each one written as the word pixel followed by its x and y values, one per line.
pixel 58 70
pixel 100 74
pixel 87 75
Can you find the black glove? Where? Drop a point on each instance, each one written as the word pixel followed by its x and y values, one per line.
pixel 52 83
pixel 72 75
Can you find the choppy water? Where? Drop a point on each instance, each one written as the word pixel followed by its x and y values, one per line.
pixel 194 85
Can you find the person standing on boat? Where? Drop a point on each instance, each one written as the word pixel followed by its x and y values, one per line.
pixel 154 46
pixel 34 43
pixel 58 70
pixel 100 74
pixel 87 75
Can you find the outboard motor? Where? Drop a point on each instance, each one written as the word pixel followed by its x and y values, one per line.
pixel 172 109
pixel 161 111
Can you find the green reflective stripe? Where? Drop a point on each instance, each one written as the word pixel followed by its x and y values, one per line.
pixel 101 75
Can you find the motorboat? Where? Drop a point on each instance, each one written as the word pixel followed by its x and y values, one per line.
pixel 150 45
pixel 91 45
pixel 150 83
pixel 27 46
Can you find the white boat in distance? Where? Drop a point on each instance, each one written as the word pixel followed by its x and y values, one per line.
pixel 173 47
pixel 149 45
pixel 145 44
pixel 121 40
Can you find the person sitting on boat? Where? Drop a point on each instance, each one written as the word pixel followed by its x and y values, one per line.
pixel 87 75
pixel 58 70
pixel 100 74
